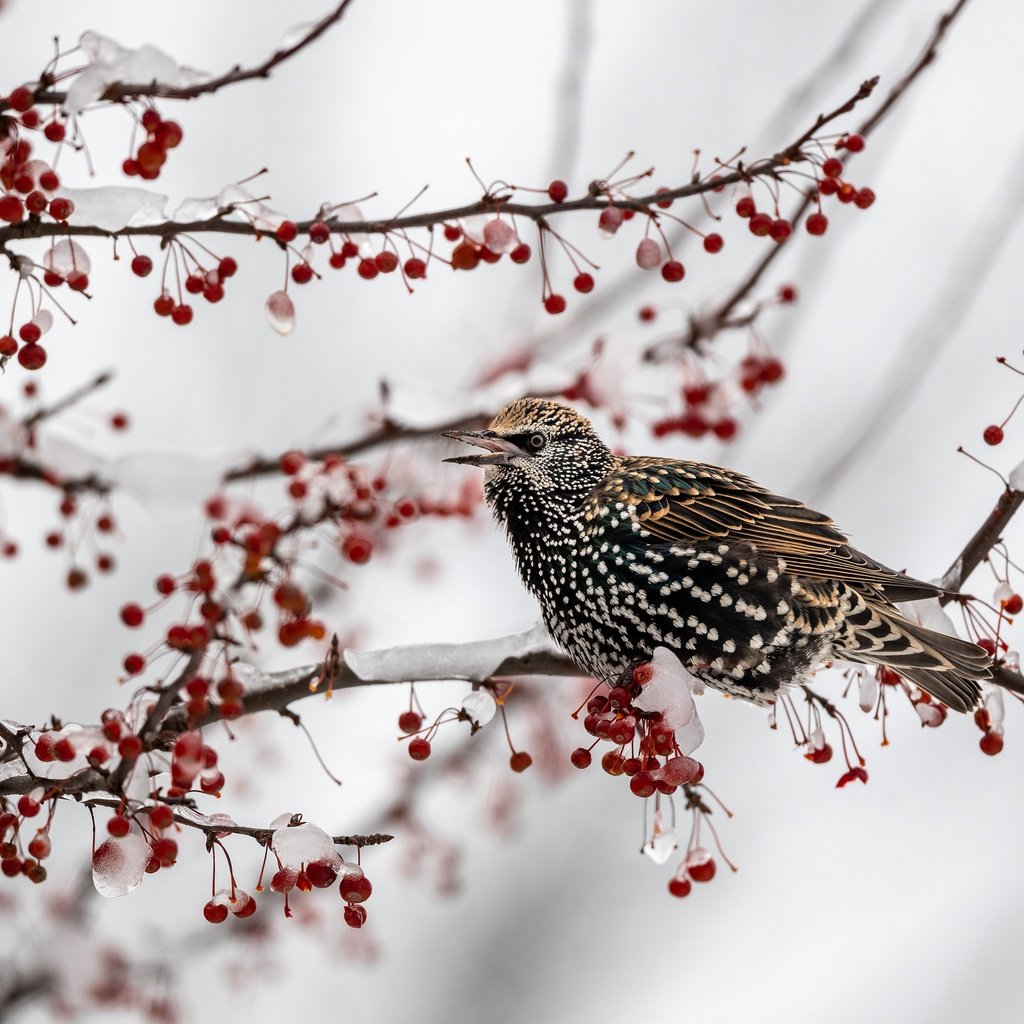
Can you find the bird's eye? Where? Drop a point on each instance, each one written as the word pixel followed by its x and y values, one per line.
pixel 536 441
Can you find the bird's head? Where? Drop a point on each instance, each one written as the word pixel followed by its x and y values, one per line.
pixel 538 446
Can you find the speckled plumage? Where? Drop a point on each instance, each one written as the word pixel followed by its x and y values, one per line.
pixel 750 590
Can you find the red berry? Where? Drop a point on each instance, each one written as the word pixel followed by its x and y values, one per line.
pixel 554 304
pixel 357 549
pixel 61 209
pixel 673 271
pixel 465 256
pixel 302 273
pixel 130 747
pixel 195 283
pixel 119 825
pixel 832 167
pixel 642 784
pixel 12 209
pixel 419 749
pixel 452 232
pixel 181 314
pixel 30 333
pixel 319 232
pixel 647 314
pixel 77 281
pixel 745 206
pixel 724 429
pixel 355 917
pixel 520 254
pixel 169 134
pixel 1013 604
pixel 520 761
pixel 355 888
pixel 557 191
pixel 320 874
pixel 387 261
pixel 32 357
pixel 64 749
pixel 702 872
pixel 368 269
pixel 581 757
pixel 760 224
pixel 854 143
pixel 40 846
pixel 21 99
pixel 35 202
pixel 787 293
pixel 583 283
pixel 286 231
pixel 410 721
pixel 991 743
pixel 415 268
pixel 993 435
pixel 680 887
pixel 165 850
pixel 215 913
pixel 781 229
pixel 28 807
pixel 142 266
pixel 134 664
pixel 8 346
pixel 163 305
pixel 132 615
pixel 161 816
pixel 713 243
pixel 817 224
pixel 863 198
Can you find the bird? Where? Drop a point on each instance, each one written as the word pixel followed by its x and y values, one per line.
pixel 750 590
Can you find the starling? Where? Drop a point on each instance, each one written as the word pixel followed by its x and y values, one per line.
pixel 750 590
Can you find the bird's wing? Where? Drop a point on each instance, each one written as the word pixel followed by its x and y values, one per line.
pixel 686 503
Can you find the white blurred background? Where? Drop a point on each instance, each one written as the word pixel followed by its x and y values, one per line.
pixel 895 900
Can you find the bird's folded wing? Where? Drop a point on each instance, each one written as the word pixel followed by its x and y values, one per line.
pixel 685 503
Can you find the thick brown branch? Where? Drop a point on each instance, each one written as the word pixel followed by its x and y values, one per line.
pixel 595 199
pixel 261 835
pixel 985 538
pixel 118 92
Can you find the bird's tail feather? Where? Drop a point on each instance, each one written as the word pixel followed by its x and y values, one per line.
pixel 946 666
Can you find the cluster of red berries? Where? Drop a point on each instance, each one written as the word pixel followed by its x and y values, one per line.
pixel 151 155
pixel 12 863
pixel 646 750
pixel 206 282
pixel 354 888
pixel 100 520
pixel 698 866
pixel 192 758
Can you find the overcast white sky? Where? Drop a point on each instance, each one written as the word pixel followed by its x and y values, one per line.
pixel 896 900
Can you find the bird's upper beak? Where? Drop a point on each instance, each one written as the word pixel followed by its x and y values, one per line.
pixel 498 451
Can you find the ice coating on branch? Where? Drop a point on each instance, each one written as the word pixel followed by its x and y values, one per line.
pixel 929 614
pixel 231 198
pixel 994 704
pixel 480 706
pixel 113 207
pixel 669 691
pixel 280 312
pixel 304 844
pixel 169 481
pixel 110 62
pixel 256 679
pixel 294 35
pixel 119 864
pixel 65 256
pixel 476 661
pixel 1017 477
pixel 662 843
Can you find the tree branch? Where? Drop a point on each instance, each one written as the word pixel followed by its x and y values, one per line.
pixel 118 92
pixel 706 326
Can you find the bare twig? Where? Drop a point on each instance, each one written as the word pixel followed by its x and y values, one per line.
pixel 706 326
pixel 73 398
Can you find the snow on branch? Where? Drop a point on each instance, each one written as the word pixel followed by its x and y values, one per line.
pixel 180 87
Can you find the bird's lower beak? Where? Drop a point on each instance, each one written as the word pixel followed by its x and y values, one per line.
pixel 498 451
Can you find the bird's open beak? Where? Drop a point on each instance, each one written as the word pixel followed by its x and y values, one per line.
pixel 498 451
